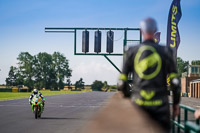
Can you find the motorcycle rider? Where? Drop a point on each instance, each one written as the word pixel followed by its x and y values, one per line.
pixel 150 64
pixel 35 92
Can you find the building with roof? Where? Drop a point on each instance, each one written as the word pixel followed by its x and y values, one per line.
pixel 189 81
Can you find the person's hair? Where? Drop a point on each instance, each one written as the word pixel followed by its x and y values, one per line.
pixel 148 25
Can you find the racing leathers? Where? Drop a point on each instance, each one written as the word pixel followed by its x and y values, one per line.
pixel 150 64
pixel 40 94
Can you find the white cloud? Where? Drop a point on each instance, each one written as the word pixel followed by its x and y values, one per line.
pixel 95 71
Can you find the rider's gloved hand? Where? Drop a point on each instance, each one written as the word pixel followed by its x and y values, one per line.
pixel 43 100
pixel 124 87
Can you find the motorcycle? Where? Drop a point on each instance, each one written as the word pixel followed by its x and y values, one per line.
pixel 37 106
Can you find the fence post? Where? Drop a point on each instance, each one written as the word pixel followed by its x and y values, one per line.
pixel 173 125
pixel 185 115
pixel 179 121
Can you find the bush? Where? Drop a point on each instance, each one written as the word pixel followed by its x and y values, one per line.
pixel 97 85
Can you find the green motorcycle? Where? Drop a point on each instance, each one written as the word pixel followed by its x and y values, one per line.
pixel 37 105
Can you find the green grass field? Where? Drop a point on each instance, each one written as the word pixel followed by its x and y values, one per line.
pixel 18 95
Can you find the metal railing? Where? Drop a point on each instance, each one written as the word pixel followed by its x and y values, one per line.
pixel 187 126
pixel 191 127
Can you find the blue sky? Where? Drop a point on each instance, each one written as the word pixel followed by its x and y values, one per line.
pixel 22 24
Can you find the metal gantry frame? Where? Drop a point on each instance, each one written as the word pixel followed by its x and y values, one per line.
pixel 74 31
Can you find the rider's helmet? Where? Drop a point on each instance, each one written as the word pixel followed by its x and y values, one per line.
pixel 35 91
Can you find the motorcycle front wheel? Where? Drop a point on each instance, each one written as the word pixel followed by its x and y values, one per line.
pixel 36 112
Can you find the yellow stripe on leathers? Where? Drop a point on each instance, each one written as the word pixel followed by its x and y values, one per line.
pixel 171 76
pixel 168 81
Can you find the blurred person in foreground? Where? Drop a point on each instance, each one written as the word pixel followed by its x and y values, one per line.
pixel 150 63
pixel 197 114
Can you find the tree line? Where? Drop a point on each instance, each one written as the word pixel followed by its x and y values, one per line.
pixel 40 71
pixel 49 71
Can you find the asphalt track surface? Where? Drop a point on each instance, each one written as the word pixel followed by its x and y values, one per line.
pixel 63 113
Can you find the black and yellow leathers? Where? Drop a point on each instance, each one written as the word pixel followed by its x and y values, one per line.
pixel 150 64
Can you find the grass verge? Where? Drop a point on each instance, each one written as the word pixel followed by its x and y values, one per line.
pixel 18 95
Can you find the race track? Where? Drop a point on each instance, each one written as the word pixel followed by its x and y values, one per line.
pixel 63 113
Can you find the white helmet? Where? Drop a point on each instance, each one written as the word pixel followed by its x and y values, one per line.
pixel 35 91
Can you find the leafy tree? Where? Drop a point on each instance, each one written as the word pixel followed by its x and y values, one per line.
pixel 43 71
pixel 105 85
pixel 182 66
pixel 195 62
pixel 97 85
pixel 53 80
pixel 12 79
pixel 61 67
pixel 26 68
pixel 79 84
pixel 61 84
pixel 19 78
pixel 69 83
